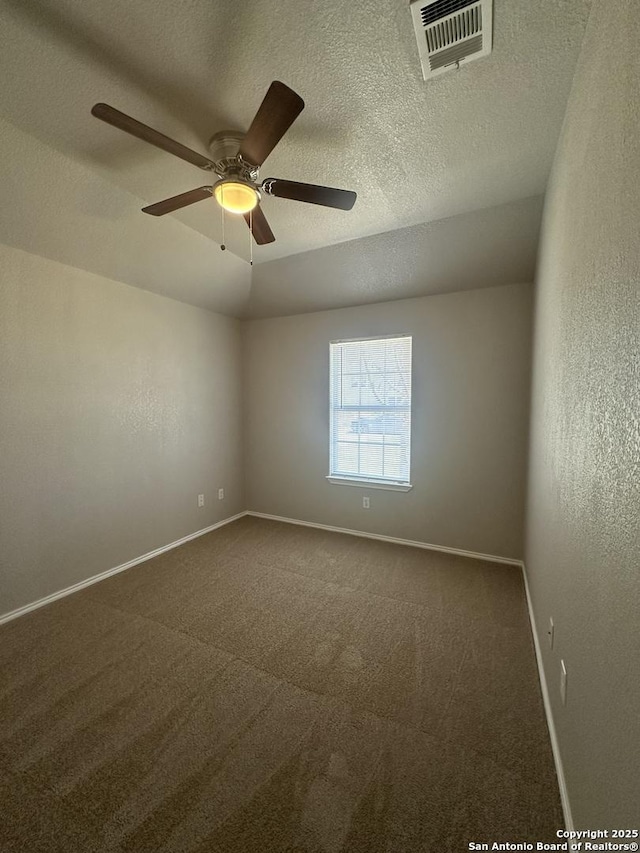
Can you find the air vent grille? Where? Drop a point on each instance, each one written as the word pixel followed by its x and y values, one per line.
pixel 451 32
pixel 441 8
pixel 454 29
pixel 455 53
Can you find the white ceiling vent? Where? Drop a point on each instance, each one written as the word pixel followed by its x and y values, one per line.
pixel 451 33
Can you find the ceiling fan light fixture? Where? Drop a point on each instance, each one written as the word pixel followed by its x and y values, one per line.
pixel 236 196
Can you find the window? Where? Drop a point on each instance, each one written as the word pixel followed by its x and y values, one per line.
pixel 370 416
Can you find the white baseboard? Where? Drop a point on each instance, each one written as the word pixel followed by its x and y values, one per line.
pixel 27 608
pixel 458 551
pixel 562 783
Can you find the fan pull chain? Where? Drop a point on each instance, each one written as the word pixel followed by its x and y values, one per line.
pixel 223 247
pixel 251 238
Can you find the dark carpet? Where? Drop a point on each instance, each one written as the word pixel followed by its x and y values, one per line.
pixel 270 687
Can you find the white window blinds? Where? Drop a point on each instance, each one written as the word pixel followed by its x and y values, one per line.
pixel 370 419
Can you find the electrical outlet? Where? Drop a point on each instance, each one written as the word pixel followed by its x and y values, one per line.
pixel 365 503
pixel 563 682
pixel 200 500
pixel 220 494
pixel 550 633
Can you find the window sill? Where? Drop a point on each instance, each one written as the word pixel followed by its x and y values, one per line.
pixel 370 484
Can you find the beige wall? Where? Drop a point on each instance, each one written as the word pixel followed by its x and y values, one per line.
pixel 583 551
pixel 471 354
pixel 118 407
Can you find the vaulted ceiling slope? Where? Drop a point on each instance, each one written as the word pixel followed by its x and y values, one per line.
pixel 414 152
pixel 484 248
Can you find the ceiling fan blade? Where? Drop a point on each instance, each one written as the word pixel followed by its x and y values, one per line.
pixel 178 201
pixel 311 193
pixel 148 134
pixel 277 112
pixel 257 221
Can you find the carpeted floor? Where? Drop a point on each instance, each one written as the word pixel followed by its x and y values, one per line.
pixel 269 687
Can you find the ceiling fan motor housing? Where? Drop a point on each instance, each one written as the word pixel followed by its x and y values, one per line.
pixel 224 147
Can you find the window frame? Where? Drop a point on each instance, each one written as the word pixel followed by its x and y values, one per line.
pixel 364 481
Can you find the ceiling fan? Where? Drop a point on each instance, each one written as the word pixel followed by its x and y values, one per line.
pixel 236 161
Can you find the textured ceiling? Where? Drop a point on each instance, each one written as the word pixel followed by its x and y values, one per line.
pixel 414 151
